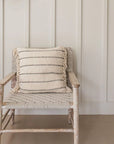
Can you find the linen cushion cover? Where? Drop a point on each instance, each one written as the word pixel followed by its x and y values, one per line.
pixel 41 70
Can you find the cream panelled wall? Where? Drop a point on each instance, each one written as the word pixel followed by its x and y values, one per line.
pixel 84 25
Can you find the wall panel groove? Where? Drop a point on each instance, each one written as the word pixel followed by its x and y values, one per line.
pixel 105 47
pixel 2 41
pixel 78 44
pixel 53 25
pixel 27 23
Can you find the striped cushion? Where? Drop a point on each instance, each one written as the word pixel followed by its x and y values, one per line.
pixel 41 70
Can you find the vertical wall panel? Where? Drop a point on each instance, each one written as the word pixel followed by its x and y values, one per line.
pixel 41 23
pixel 111 51
pixel 65 23
pixel 13 31
pixel 93 52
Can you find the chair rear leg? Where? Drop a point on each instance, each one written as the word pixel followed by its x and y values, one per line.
pixel 70 111
pixel 1 100
pixel 13 117
pixel 0 125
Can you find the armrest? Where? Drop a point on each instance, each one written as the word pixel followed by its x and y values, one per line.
pixel 7 78
pixel 73 80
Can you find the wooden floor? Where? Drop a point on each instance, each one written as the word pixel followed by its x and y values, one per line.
pixel 93 130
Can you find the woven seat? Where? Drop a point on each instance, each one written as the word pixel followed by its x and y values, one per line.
pixel 42 100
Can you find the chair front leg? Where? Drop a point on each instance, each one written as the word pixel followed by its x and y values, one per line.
pixel 76 115
pixel 13 84
pixel 1 101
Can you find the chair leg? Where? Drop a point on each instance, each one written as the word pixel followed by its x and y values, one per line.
pixel 13 117
pixel 70 116
pixel 1 100
pixel 76 128
pixel 0 124
pixel 75 116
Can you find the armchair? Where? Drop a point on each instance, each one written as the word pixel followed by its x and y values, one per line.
pixel 26 101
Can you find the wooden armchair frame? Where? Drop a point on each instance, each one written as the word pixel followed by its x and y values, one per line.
pixel 73 116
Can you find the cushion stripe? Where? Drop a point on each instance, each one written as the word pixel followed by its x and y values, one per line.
pixel 41 57
pixel 41 65
pixel 39 51
pixel 40 73
pixel 43 89
pixel 40 81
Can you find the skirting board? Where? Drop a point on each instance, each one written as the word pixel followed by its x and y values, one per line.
pixel 97 108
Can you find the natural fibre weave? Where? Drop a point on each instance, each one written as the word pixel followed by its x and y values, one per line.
pixel 41 70
pixel 40 100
